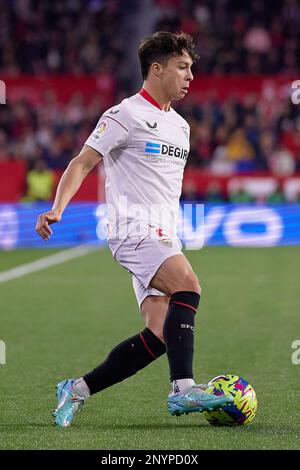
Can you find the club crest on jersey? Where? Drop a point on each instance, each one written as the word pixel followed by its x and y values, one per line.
pixel 100 129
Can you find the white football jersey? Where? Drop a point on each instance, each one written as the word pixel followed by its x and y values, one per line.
pixel 145 150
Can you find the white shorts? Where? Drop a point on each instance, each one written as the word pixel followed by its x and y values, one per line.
pixel 143 257
pixel 142 292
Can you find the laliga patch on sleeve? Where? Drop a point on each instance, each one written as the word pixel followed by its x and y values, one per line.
pixel 100 129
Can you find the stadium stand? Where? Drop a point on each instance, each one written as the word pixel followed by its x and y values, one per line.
pixel 62 70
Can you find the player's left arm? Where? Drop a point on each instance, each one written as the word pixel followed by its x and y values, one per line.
pixel 69 184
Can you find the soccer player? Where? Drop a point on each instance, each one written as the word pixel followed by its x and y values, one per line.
pixel 144 145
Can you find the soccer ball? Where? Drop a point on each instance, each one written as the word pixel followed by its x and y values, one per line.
pixel 242 410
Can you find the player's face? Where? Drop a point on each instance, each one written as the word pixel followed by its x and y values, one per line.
pixel 177 76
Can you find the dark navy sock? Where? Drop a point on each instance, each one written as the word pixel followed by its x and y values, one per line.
pixel 179 333
pixel 125 360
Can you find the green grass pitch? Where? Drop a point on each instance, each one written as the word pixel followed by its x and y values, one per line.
pixel 62 321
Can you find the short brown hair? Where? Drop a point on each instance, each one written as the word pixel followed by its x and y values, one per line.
pixel 161 46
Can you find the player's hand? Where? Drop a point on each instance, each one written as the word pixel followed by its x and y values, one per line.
pixel 43 222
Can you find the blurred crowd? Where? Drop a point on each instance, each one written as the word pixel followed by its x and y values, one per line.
pixel 243 136
pixel 238 37
pixel 235 136
pixel 79 37
pixel 60 36
pixel 85 36
pixel 51 131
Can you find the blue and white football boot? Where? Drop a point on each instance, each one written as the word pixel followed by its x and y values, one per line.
pixel 68 403
pixel 195 398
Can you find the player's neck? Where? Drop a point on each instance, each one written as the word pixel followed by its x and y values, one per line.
pixel 158 97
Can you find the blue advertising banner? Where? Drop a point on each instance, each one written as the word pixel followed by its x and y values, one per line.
pixel 199 224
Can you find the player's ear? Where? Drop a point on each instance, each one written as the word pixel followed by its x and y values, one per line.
pixel 156 69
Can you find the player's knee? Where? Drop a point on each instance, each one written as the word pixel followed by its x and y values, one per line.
pixel 190 282
pixel 159 333
pixel 154 309
pixel 195 285
pixel 157 328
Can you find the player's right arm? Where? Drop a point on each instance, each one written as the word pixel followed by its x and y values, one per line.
pixel 69 184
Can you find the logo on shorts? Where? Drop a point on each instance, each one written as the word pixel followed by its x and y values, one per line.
pixel 166 241
pixel 162 237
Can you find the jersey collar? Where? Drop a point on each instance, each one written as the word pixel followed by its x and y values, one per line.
pixel 149 98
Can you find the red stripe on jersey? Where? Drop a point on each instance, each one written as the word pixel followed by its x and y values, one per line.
pixel 185 305
pixel 149 98
pixel 105 116
pixel 146 346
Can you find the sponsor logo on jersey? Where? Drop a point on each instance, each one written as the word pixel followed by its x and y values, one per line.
pixel 152 148
pixel 101 127
pixel 155 149
pixel 151 126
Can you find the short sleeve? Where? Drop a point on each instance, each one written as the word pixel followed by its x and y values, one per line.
pixel 111 132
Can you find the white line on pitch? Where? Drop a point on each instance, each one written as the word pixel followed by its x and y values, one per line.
pixel 46 262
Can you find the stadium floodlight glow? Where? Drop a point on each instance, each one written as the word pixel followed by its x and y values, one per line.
pixel 2 92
